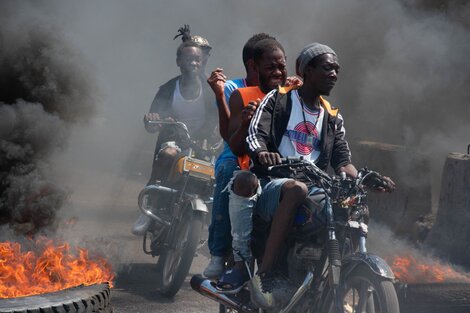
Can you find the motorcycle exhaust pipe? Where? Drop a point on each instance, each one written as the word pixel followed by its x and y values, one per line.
pixel 204 287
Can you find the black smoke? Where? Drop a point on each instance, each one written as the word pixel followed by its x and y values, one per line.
pixel 44 87
pixel 403 80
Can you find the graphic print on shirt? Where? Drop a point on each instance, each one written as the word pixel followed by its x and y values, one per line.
pixel 303 132
pixel 305 137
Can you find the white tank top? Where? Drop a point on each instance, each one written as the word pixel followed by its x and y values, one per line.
pixel 302 136
pixel 191 112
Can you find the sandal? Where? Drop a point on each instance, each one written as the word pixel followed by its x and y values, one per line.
pixel 232 281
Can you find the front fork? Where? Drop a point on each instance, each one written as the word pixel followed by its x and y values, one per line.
pixel 334 267
pixel 165 233
pixel 334 257
pixel 192 206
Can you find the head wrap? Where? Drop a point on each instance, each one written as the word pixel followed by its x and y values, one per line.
pixel 201 42
pixel 309 52
pixel 185 34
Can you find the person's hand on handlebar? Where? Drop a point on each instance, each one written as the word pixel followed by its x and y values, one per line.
pixel 151 117
pixel 389 185
pixel 266 158
pixel 169 119
pixel 155 117
pixel 381 184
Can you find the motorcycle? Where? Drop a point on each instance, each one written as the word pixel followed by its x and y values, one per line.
pixel 178 210
pixel 324 268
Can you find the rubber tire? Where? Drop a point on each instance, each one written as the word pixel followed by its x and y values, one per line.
pixel 194 233
pixel 383 287
pixel 436 297
pixel 82 299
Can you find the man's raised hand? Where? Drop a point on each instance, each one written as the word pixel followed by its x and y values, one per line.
pixel 217 80
pixel 294 81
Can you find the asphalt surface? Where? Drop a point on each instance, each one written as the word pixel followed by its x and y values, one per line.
pixel 104 207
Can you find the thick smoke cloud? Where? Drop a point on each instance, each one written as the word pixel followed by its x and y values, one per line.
pixel 403 80
pixel 43 88
pixel 28 200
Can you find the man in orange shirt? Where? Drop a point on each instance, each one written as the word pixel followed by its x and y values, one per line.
pixel 220 239
pixel 270 64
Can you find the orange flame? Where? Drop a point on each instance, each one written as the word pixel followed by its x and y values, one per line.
pixel 407 269
pixel 54 268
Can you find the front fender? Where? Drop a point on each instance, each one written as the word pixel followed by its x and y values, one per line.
pixel 376 264
pixel 197 204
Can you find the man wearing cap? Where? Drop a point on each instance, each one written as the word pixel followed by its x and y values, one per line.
pixel 295 123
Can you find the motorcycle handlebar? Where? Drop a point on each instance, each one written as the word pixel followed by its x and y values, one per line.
pixel 181 124
pixel 374 180
pixel 287 162
pixel 176 123
pixel 293 162
pixel 186 131
pixel 368 178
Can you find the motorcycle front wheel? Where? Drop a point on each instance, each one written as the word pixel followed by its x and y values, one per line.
pixel 174 264
pixel 366 292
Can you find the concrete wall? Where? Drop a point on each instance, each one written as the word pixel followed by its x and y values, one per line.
pixel 402 210
pixel 450 236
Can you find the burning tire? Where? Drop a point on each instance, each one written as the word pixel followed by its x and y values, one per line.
pixel 82 299
pixel 436 297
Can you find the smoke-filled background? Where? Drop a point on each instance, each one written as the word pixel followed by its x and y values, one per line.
pixel 77 77
pixel 44 87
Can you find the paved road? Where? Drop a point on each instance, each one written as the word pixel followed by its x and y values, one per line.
pixel 105 205
pixel 106 208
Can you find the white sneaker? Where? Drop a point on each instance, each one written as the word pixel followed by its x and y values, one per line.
pixel 141 225
pixel 215 267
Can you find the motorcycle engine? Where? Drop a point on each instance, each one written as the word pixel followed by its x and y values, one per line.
pixel 301 258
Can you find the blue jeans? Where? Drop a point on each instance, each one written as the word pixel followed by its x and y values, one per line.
pixel 269 198
pixel 241 218
pixel 220 239
pixel 268 202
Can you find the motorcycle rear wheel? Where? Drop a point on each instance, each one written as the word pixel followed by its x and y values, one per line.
pixel 364 291
pixel 174 264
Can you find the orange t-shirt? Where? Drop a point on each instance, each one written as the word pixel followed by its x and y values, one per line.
pixel 248 94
